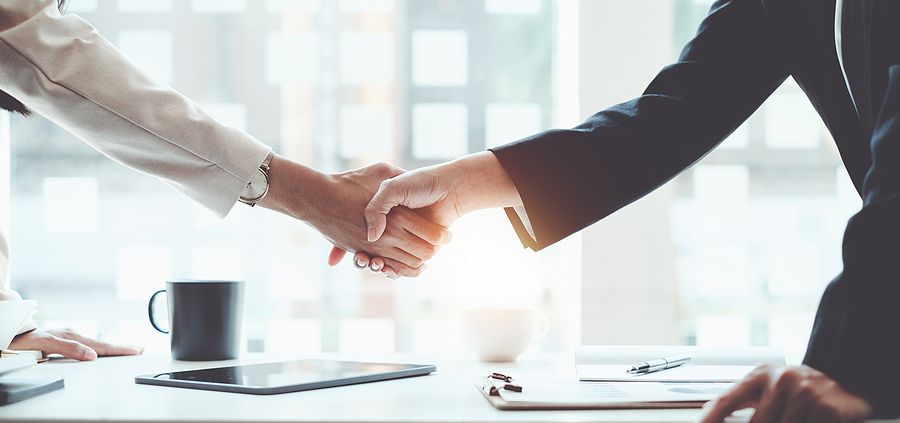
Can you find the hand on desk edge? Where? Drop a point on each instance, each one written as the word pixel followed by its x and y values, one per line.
pixel 70 344
pixel 794 394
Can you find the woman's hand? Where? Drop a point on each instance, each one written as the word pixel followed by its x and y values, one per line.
pixel 70 344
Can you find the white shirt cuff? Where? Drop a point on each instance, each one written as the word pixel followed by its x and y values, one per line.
pixel 523 216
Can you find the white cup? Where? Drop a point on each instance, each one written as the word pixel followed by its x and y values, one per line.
pixel 502 334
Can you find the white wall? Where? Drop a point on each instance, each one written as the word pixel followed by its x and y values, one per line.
pixel 628 285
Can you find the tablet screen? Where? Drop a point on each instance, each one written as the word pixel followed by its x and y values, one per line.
pixel 285 376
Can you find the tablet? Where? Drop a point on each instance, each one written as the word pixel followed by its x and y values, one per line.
pixel 285 376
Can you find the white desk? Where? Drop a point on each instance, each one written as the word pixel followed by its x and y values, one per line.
pixel 105 390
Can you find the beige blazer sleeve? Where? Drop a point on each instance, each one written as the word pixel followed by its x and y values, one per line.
pixel 61 68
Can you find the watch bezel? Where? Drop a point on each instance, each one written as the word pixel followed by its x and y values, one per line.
pixel 253 201
pixel 264 170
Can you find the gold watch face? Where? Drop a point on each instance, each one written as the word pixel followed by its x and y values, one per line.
pixel 257 187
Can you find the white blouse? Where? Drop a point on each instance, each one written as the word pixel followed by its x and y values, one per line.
pixel 837 45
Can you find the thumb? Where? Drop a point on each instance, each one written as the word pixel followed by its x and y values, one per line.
pixel 377 210
pixel 416 189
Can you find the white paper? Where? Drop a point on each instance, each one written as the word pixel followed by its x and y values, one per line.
pixel 708 364
pixel 568 391
pixel 13 315
pixel 684 373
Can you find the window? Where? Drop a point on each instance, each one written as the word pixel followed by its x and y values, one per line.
pixel 334 85
pixel 734 251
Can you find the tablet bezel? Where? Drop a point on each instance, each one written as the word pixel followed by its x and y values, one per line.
pixel 409 370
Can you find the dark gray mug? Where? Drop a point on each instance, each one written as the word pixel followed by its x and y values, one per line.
pixel 204 318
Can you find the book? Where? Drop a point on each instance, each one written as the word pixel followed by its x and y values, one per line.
pixel 14 315
pixel 15 390
pixel 609 363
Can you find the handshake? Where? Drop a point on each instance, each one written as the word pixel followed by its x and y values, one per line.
pixel 392 220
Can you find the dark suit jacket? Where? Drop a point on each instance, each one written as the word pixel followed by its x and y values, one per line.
pixel 743 50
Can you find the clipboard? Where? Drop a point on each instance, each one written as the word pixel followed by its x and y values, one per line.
pixel 554 392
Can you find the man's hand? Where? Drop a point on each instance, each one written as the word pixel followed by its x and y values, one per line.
pixel 422 188
pixel 441 194
pixel 70 344
pixel 444 193
pixel 333 204
pixel 792 394
pixel 428 190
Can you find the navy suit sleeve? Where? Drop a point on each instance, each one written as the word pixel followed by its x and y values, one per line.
pixel 855 339
pixel 569 179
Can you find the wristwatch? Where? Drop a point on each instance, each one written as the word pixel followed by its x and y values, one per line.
pixel 259 185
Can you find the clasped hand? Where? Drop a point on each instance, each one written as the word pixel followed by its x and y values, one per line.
pixel 409 237
pixel 440 194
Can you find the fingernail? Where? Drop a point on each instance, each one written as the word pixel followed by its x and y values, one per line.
pixel 375 266
pixel 371 233
pixel 89 354
pixel 361 264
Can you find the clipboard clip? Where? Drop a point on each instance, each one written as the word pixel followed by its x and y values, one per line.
pixel 500 376
pixel 495 387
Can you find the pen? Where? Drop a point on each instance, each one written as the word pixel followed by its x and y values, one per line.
pixel 660 364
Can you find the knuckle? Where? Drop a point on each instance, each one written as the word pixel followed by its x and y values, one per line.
pixel 384 186
pixel 383 168
pixel 806 390
pixel 787 378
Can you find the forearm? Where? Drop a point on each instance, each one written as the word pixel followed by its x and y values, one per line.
pixel 61 68
pixel 480 182
pixel 296 190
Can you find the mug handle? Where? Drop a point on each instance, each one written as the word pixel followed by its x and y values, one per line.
pixel 545 322
pixel 150 311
